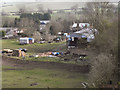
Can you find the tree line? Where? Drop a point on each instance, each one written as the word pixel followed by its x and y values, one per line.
pixel 104 17
pixel 36 17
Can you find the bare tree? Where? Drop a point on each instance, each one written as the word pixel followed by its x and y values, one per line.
pixel 8 21
pixel 95 13
pixel 37 36
pixel 22 9
pixel 65 19
pixel 4 13
pixel 49 11
pixel 61 11
pixel 56 27
pixel 40 8
pixel 28 26
pixel 102 16
pixel 74 7
pixel 103 69
pixel 48 36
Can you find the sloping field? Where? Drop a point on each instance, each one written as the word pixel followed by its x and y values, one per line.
pixel 36 74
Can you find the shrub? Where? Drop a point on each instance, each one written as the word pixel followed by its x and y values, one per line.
pixel 103 69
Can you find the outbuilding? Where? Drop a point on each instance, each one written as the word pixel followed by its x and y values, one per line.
pixel 26 40
pixel 72 39
pixel 83 36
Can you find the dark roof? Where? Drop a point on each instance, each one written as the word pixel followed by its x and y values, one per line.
pixel 75 35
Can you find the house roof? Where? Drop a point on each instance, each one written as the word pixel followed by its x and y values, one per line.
pixel 44 21
pixel 81 25
pixel 74 35
pixel 87 30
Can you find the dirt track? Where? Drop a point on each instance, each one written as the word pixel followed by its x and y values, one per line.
pixel 26 65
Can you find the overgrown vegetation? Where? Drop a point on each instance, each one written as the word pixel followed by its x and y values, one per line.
pixel 2 33
pixel 104 18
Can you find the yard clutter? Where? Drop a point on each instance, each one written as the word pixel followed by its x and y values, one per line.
pixel 7 51
pixel 41 42
pixel 14 52
pixel 18 52
pixel 46 54
pixel 49 54
pixel 24 49
pixel 57 39
pixel 75 57
pixel 55 53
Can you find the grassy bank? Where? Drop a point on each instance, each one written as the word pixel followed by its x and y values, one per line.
pixel 40 78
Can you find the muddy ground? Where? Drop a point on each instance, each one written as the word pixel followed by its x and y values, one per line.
pixel 28 65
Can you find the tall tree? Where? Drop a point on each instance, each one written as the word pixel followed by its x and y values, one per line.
pixel 55 27
pixel 37 36
pixel 97 13
pixel 74 7
pixel 28 26
pixel 47 16
pixel 40 8
pixel 22 9
pixel 103 18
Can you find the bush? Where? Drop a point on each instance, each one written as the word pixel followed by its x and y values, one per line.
pixel 103 69
pixel 107 40
pixel 2 33
pixel 105 20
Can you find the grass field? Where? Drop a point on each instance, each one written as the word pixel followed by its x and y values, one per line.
pixel 32 48
pixel 40 48
pixel 41 78
pixel 11 44
pixel 20 77
pixel 11 16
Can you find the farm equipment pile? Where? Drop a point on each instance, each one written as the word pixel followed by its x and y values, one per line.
pixel 14 52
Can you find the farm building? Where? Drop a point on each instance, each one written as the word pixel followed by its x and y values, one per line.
pixel 9 32
pixel 79 26
pixel 82 36
pixel 26 40
pixel 72 39
pixel 43 24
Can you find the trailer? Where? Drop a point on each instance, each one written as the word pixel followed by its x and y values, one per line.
pixel 26 40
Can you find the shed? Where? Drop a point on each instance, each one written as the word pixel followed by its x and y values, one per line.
pixel 88 33
pixel 72 39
